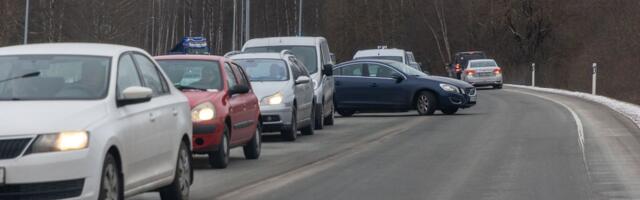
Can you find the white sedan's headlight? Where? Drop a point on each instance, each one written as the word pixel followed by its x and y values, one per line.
pixel 203 112
pixel 63 141
pixel 449 88
pixel 275 99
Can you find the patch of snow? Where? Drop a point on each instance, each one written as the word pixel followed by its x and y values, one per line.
pixel 629 110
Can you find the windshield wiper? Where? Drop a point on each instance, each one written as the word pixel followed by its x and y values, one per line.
pixel 184 87
pixel 28 75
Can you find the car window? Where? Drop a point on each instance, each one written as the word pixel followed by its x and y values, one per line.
pixel 127 75
pixel 376 70
pixel 394 58
pixel 193 73
pixel 264 69
pixel 306 54
pixel 231 78
pixel 479 64
pixel 150 75
pixel 352 70
pixel 54 77
pixel 240 76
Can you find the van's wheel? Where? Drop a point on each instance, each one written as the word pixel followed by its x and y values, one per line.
pixel 179 188
pixel 329 119
pixel 252 149
pixel 450 110
pixel 346 112
pixel 319 117
pixel 111 180
pixel 220 158
pixel 426 103
pixel 289 133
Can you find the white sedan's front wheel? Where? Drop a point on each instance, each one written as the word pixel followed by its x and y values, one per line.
pixel 111 181
pixel 179 188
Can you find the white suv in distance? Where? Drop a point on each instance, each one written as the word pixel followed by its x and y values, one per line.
pixel 383 53
pixel 90 121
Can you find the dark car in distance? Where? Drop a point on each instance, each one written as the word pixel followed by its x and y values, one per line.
pixel 460 61
pixel 390 86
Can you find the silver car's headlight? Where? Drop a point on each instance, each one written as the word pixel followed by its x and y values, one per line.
pixel 274 99
pixel 449 88
pixel 63 141
pixel 203 112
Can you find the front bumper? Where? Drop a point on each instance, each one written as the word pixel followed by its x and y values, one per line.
pixel 275 117
pixel 207 136
pixel 466 99
pixel 55 175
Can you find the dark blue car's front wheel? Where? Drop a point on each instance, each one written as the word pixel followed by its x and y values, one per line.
pixel 426 103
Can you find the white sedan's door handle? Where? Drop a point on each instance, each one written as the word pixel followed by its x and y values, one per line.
pixel 175 112
pixel 152 117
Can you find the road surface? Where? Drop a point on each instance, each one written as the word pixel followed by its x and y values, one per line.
pixel 515 144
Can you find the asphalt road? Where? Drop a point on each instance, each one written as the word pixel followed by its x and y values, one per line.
pixel 515 144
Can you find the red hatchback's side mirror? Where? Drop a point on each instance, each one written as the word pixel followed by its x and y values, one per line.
pixel 238 89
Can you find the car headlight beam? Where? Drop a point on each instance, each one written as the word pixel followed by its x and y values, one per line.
pixel 203 112
pixel 274 99
pixel 63 141
pixel 449 88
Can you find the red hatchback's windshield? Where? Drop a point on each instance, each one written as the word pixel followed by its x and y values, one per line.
pixel 193 73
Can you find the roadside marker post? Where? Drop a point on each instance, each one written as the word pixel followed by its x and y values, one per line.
pixel 533 74
pixel 594 78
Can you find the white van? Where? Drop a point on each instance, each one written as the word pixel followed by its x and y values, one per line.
pixel 383 53
pixel 315 55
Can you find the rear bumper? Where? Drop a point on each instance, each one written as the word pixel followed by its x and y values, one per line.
pixel 484 81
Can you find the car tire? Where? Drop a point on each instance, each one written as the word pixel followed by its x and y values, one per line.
pixel 179 188
pixel 426 103
pixel 329 120
pixel 290 133
pixel 450 110
pixel 319 117
pixel 220 158
pixel 497 87
pixel 309 129
pixel 111 180
pixel 346 112
pixel 252 149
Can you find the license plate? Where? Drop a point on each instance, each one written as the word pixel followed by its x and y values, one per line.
pixel 473 98
pixel 2 176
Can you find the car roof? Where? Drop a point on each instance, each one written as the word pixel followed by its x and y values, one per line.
pixel 481 60
pixel 283 41
pixel 191 57
pixel 382 61
pixel 89 49
pixel 379 52
pixel 256 55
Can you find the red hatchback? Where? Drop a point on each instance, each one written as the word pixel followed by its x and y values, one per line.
pixel 224 109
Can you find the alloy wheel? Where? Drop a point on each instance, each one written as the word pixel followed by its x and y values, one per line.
pixel 184 169
pixel 423 104
pixel 110 182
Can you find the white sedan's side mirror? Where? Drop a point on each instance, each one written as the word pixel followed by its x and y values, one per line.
pixel 135 94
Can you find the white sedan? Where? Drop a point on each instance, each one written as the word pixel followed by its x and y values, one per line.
pixel 90 121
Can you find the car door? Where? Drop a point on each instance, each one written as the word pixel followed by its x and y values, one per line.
pixel 329 81
pixel 380 81
pixel 164 107
pixel 303 92
pixel 350 84
pixel 250 107
pixel 236 107
pixel 138 129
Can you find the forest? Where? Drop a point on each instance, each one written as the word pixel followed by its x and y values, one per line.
pixel 563 37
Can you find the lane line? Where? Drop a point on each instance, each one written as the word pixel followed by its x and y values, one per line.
pixel 576 118
pixel 253 191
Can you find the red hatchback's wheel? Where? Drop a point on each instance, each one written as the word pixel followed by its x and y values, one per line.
pixel 252 149
pixel 220 158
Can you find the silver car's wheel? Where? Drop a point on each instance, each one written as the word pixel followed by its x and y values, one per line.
pixel 184 169
pixel 110 184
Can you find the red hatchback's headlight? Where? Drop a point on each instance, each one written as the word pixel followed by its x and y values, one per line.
pixel 203 112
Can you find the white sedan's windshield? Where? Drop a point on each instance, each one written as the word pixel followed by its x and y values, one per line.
pixel 53 77
pixel 265 69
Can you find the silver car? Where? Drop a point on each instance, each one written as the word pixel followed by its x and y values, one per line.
pixel 483 72
pixel 285 91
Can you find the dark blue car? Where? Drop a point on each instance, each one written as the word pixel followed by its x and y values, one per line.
pixel 390 86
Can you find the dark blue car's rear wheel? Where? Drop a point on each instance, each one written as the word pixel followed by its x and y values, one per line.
pixel 426 103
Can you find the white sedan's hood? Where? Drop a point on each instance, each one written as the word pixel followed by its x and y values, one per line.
pixel 36 117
